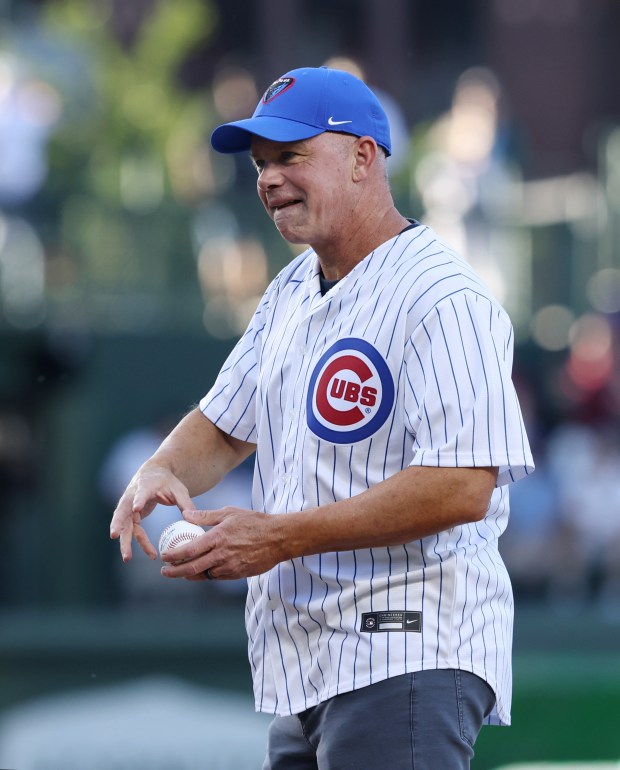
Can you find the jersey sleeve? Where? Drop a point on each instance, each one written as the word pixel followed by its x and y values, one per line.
pixel 460 401
pixel 230 403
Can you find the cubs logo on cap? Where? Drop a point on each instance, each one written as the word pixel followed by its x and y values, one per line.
pixel 351 392
pixel 276 88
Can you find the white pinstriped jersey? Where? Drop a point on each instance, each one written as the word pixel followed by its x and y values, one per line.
pixel 406 361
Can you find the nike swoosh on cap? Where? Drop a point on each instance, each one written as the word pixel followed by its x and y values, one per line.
pixel 333 122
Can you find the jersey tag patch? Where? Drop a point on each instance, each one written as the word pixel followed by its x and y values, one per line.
pixel 391 620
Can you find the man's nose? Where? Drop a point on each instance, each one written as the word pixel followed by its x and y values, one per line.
pixel 270 176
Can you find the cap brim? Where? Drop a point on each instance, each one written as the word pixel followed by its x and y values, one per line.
pixel 237 136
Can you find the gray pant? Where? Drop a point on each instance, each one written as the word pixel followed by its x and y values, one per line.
pixel 423 721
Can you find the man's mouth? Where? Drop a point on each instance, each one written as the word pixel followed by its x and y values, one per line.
pixel 284 205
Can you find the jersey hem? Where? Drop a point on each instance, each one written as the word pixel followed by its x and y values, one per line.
pixel 500 716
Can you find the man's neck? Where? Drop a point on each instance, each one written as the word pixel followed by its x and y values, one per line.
pixel 339 257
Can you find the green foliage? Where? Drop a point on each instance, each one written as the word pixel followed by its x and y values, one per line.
pixel 123 157
pixel 137 103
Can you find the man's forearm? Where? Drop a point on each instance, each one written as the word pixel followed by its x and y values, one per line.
pixel 198 453
pixel 415 503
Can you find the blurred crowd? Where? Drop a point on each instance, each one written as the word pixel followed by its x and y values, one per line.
pixel 562 545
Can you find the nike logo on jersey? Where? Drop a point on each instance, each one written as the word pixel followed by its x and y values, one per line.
pixel 391 620
pixel 333 122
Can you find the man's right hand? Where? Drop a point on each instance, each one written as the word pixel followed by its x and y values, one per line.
pixel 151 485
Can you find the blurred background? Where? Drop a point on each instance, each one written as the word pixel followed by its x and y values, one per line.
pixel 131 258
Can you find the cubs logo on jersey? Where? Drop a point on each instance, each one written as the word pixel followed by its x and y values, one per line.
pixel 351 392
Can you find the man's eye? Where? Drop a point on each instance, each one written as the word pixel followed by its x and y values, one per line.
pixel 258 165
pixel 288 156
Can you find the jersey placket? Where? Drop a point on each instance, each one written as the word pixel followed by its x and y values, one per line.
pixel 284 636
pixel 307 348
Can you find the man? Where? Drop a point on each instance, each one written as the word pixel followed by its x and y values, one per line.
pixel 374 385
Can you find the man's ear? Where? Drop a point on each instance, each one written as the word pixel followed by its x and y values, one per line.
pixel 364 155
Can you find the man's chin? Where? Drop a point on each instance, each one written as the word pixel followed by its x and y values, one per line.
pixel 291 235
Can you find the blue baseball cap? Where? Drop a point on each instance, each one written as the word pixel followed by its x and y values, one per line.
pixel 304 103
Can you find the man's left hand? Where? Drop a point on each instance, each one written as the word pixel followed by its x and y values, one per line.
pixel 240 544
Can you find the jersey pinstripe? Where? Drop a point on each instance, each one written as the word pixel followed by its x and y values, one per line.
pixel 406 361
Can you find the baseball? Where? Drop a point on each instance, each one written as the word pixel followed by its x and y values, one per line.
pixel 177 533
